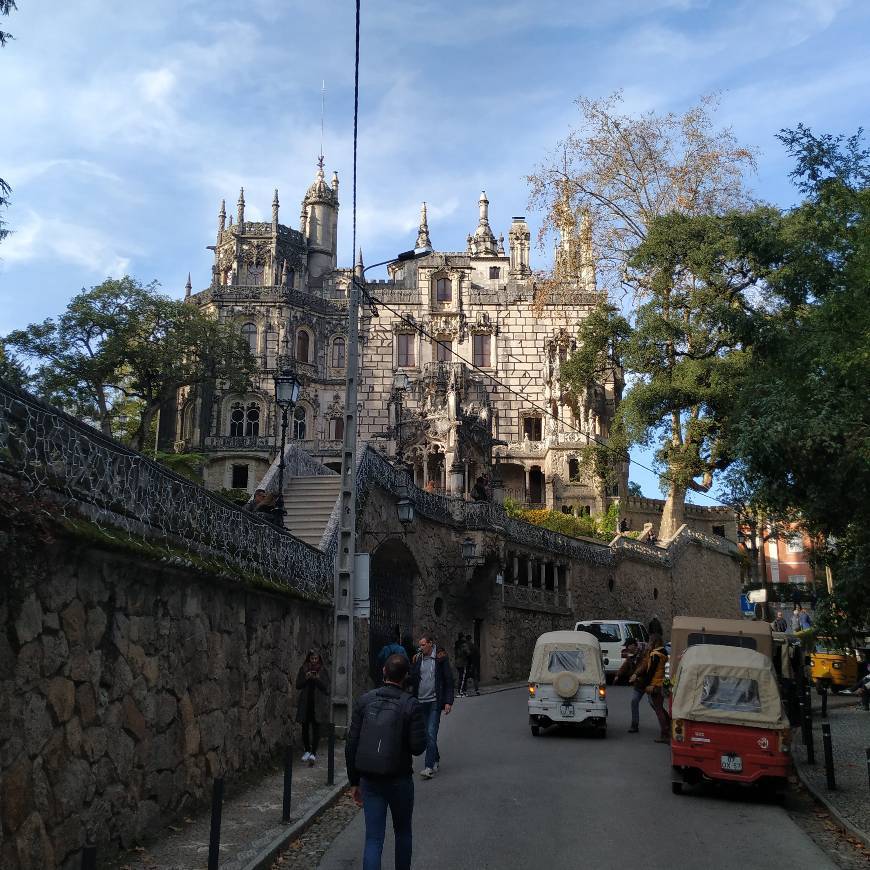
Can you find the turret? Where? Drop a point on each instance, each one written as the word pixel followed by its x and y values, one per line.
pixel 483 241
pixel 518 241
pixel 319 223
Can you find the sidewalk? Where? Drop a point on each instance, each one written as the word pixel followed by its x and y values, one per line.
pixel 252 831
pixel 850 738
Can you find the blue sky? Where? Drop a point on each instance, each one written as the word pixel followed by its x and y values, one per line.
pixel 124 124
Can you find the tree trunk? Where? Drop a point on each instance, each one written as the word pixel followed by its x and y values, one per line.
pixel 674 513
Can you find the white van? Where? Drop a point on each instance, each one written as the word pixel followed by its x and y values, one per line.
pixel 612 635
pixel 566 682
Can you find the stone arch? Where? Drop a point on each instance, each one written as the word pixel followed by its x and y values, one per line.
pixel 392 576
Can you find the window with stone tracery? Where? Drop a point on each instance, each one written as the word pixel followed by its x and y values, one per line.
pixel 300 423
pixel 252 420
pixel 481 355
pixel 303 346
pixel 443 290
pixel 337 357
pixel 237 421
pixel 336 428
pixel 405 350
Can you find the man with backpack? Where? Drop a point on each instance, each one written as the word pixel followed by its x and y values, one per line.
pixel 386 729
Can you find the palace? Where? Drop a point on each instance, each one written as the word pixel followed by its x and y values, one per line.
pixel 460 357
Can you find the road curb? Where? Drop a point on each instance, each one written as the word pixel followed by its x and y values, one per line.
pixel 270 851
pixel 819 797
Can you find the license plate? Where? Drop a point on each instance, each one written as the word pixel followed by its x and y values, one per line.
pixel 567 710
pixel 734 763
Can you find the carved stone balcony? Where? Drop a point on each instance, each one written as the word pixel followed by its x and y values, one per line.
pixel 240 442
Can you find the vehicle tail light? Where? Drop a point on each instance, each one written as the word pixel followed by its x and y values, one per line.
pixel 785 740
pixel 678 730
pixel 532 689
pixel 602 690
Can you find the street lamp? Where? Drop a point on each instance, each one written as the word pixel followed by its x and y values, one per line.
pixel 469 550
pixel 400 384
pixel 404 506
pixel 286 395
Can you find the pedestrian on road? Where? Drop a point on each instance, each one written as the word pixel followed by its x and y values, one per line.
pixel 805 621
pixel 312 683
pixel 473 668
pixel 386 730
pixel 394 647
pixel 632 656
pixel 651 679
pixel 432 685
pixel 779 624
pixel 461 661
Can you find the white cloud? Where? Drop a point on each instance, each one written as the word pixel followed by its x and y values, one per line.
pixel 41 238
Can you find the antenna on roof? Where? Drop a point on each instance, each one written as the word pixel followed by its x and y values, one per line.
pixel 322 108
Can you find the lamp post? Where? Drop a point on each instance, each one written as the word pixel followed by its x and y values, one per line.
pixel 286 395
pixel 400 385
pixel 342 685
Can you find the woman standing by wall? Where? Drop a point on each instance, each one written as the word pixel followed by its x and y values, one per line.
pixel 312 684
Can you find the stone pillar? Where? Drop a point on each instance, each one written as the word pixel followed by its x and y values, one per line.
pixel 543 574
pixel 456 478
pixel 526 484
pixel 516 571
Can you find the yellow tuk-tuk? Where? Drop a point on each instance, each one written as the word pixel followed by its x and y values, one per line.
pixel 832 669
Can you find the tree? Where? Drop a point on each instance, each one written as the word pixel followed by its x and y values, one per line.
pixel 804 432
pixel 6 6
pixel 121 347
pixel 621 174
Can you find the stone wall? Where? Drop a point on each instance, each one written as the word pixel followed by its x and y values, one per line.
pixel 126 686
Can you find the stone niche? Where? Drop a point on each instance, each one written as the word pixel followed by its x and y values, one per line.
pixel 126 686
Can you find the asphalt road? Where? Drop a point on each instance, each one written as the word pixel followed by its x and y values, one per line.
pixel 505 799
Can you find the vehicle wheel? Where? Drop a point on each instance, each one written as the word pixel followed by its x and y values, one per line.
pixel 536 730
pixel 676 786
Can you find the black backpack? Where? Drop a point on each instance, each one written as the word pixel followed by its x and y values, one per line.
pixel 380 747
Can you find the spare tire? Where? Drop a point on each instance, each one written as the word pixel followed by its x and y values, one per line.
pixel 566 684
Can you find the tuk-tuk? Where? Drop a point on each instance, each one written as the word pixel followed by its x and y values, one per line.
pixel 687 631
pixel 728 723
pixel 832 669
pixel 567 683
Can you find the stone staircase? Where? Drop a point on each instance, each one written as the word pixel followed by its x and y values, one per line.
pixel 308 502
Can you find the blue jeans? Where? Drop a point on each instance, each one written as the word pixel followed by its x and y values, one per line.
pixel 378 795
pixel 432 718
pixel 636 695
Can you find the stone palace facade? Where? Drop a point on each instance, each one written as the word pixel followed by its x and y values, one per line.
pixel 478 341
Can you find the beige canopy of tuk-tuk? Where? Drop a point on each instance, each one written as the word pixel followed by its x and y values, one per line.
pixel 726 684
pixel 576 651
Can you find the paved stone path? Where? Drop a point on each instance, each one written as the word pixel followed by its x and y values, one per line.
pixel 251 820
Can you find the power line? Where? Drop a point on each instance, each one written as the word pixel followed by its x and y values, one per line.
pixel 449 348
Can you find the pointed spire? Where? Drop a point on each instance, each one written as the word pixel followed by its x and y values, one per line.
pixel 275 205
pixel 222 216
pixel 230 221
pixel 335 181
pixel 187 287
pixel 285 273
pixel 359 259
pixel 241 205
pixel 483 205
pixel 423 233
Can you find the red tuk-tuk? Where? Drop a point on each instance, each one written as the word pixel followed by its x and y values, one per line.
pixel 729 724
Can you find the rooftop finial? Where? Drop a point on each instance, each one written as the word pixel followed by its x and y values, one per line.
pixel 187 287
pixel 222 216
pixel 275 205
pixel 241 205
pixel 359 259
pixel 423 232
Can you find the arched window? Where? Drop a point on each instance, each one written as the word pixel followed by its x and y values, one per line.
pixel 336 428
pixel 237 421
pixel 299 423
pixel 337 359
pixel 443 290
pixel 303 346
pixel 249 334
pixel 252 420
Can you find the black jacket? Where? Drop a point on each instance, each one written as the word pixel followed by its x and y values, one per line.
pixel 443 678
pixel 413 732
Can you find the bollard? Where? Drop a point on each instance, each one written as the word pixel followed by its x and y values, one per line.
pixel 89 857
pixel 288 783
pixel 801 704
pixel 808 741
pixel 829 756
pixel 330 770
pixel 214 837
pixel 824 702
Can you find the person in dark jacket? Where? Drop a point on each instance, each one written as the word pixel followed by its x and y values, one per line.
pixel 432 685
pixel 312 708
pixel 393 791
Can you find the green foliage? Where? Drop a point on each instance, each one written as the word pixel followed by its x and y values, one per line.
pixel 236 495
pixel 188 465
pixel 634 489
pixel 6 6
pixel 122 345
pixel 11 370
pixel 602 527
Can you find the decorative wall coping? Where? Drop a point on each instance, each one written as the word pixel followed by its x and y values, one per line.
pixel 96 477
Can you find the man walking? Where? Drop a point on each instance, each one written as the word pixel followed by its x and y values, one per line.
pixel 432 685
pixel 386 729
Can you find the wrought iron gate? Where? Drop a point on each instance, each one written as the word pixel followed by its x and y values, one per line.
pixel 392 604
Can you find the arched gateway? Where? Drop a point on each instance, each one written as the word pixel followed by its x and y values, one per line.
pixel 391 591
